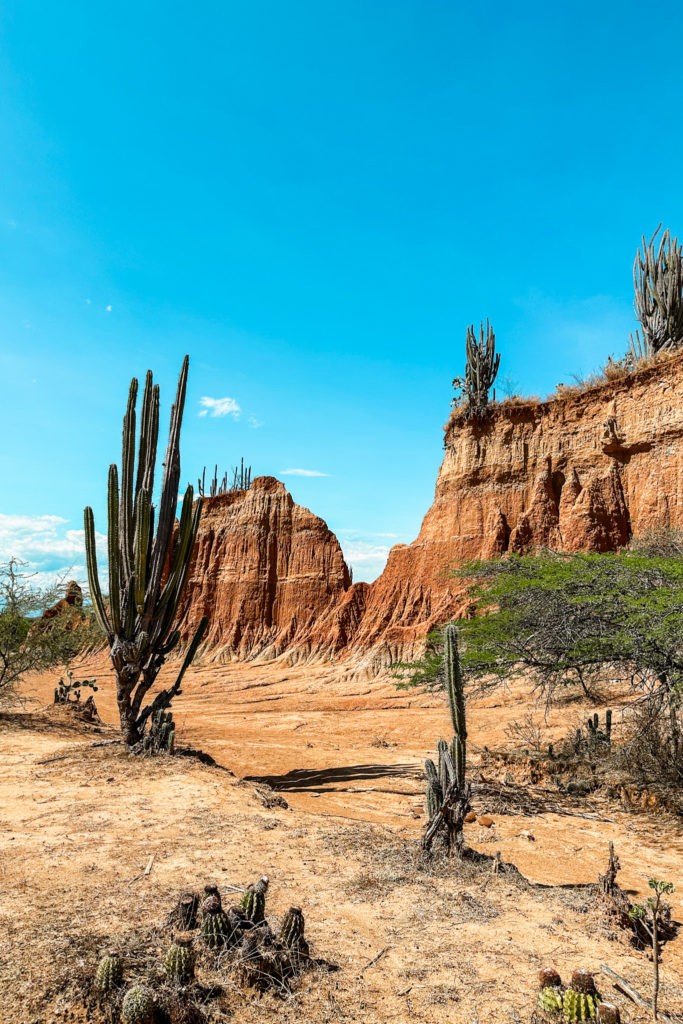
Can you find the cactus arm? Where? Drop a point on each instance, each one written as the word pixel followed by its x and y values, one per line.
pixel 93 575
pixel 126 502
pixel 143 510
pixel 113 549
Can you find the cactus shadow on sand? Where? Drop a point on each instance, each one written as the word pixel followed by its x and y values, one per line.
pixel 301 780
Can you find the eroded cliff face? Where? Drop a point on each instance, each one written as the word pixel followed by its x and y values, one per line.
pixel 583 472
pixel 264 571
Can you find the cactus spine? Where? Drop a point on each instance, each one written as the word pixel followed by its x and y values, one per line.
pixel 179 960
pixel 138 1006
pixel 254 901
pixel 147 569
pixel 448 814
pixel 109 974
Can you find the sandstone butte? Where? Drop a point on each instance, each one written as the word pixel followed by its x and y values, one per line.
pixel 584 471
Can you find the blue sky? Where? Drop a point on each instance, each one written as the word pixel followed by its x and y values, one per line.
pixel 313 200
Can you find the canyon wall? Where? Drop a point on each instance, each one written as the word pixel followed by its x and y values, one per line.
pixel 585 471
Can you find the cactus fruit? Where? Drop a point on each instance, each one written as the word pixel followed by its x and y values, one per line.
pixel 186 910
pixel 254 900
pixel 292 932
pixel 179 961
pixel 109 973
pixel 607 1013
pixel 138 1006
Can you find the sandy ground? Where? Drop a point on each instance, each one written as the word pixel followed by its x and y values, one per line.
pixel 78 825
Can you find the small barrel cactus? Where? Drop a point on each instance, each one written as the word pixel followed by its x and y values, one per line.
pixel 218 928
pixel 179 960
pixel 109 975
pixel 254 900
pixel 550 994
pixel 138 1006
pixel 581 998
pixel 292 931
pixel 212 900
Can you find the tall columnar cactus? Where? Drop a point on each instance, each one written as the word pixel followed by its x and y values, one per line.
pixel 447 814
pixel 658 285
pixel 147 569
pixel 481 367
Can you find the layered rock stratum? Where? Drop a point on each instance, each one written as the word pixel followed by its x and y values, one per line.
pixel 584 471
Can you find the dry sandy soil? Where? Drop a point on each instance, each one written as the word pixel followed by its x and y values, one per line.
pixel 413 941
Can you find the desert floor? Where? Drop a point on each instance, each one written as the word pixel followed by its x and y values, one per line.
pixel 414 941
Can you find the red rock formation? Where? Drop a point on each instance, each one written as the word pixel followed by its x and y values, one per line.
pixel 582 472
pixel 264 571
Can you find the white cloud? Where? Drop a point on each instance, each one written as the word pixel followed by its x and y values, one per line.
pixel 47 544
pixel 255 423
pixel 107 309
pixel 302 472
pixel 365 558
pixel 219 407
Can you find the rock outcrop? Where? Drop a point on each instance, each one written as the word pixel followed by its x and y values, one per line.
pixel 265 570
pixel 585 471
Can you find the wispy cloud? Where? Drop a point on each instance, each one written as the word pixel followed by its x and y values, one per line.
pixel 302 472
pixel 219 407
pixel 255 423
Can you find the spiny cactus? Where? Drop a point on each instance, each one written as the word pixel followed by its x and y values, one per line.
pixel 179 960
pixel 597 735
pixel 550 999
pixel 658 285
pixel 581 998
pixel 217 929
pixel 138 1006
pixel 481 368
pixel 109 975
pixel 448 817
pixel 161 735
pixel 241 481
pixel 147 570
pixel 254 900
pixel 292 931
pixel 434 789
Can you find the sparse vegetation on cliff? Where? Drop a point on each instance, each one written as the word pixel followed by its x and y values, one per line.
pixel 481 369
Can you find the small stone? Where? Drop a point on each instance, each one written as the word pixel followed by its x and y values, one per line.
pixel 527 835
pixel 486 821
pixel 470 817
